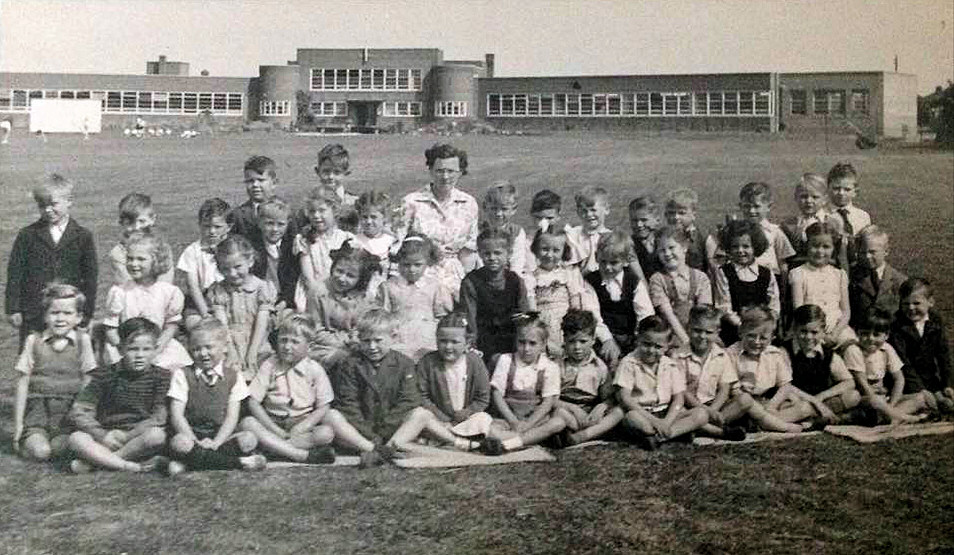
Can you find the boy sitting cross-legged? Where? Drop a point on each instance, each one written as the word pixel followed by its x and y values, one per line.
pixel 586 401
pixel 651 389
pixel 120 415
pixel 289 398
pixel 205 402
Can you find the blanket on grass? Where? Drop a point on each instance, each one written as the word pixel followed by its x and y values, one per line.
pixel 422 456
pixel 756 437
pixel 863 434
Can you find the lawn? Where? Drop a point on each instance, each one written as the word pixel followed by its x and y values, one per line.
pixel 818 494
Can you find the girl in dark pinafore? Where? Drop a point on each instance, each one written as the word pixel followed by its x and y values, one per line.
pixel 741 282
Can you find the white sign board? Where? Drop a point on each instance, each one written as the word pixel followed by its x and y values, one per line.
pixel 65 115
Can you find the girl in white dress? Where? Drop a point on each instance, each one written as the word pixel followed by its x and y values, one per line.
pixel 317 239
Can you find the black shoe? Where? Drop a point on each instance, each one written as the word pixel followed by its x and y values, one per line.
pixel 647 443
pixel 817 424
pixel 733 433
pixel 323 454
pixel 492 446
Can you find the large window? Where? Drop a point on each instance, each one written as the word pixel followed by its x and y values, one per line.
pixel 859 101
pixel 274 108
pixel 329 109
pixel 403 109
pixel 366 79
pixel 134 102
pixel 452 109
pixel 829 102
pixel 799 100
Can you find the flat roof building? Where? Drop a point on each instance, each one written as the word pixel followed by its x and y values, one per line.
pixel 369 88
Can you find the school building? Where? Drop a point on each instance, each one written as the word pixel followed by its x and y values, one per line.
pixel 370 89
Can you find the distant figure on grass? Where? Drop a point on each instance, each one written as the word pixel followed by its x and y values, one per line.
pixel 53 366
pixel 120 415
pixel 196 268
pixel 54 248
pixel 205 400
pixel 136 216
pixel 6 128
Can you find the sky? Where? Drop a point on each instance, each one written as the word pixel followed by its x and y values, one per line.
pixel 528 37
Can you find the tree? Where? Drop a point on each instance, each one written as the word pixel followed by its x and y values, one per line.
pixel 944 124
pixel 305 117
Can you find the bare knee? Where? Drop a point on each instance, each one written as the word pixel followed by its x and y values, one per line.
pixel 420 414
pixel 78 439
pixel 249 424
pixel 635 421
pixel 247 442
pixel 154 437
pixel 38 448
pixel 181 444
pixel 333 417
pixel 851 398
pixel 700 417
pixel 745 401
pixel 322 435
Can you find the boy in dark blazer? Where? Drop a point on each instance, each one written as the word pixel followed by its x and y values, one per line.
pixel 872 281
pixel 918 335
pixel 54 248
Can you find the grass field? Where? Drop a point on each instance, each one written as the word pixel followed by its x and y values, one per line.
pixel 819 494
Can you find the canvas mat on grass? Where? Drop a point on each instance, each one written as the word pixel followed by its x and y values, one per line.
pixel 756 437
pixel 421 456
pixel 863 434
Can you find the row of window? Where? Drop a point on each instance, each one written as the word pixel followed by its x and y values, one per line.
pixel 274 108
pixel 402 109
pixel 712 103
pixel 830 101
pixel 135 102
pixel 329 108
pixel 369 79
pixel 453 109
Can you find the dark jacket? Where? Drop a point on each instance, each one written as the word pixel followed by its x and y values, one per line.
pixel 862 294
pixel 434 393
pixel 376 401
pixel 927 358
pixel 35 261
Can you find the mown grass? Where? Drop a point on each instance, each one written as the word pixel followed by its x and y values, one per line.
pixel 819 494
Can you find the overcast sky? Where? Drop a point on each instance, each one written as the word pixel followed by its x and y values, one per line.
pixel 529 37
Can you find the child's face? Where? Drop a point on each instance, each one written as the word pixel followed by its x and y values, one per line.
pixel 330 174
pixel 138 352
pixel 451 343
pixel 643 223
pixel 756 209
pixel 206 349
pixel 292 347
pixel 54 208
pixel 870 340
pixel 144 221
pixel 530 344
pixel 62 317
pixel 375 344
pixel 412 267
pixel 235 268
pixel 650 346
pixel 810 335
pixel 917 305
pixel 702 334
pixel 550 251
pixel 671 254
pixel 273 228
pixel 843 191
pixel 874 251
pixel 741 250
pixel 259 186
pixel 546 218
pixel 139 262
pixel 372 223
pixel 593 216
pixel 213 230
pixel 345 276
pixel 809 200
pixel 611 267
pixel 321 216
pixel 499 215
pixel 679 216
pixel 820 248
pixel 757 338
pixel 494 254
pixel 578 346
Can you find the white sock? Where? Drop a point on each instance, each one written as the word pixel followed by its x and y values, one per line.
pixel 512 443
pixel 463 444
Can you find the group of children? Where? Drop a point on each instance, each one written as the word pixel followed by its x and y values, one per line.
pixel 362 324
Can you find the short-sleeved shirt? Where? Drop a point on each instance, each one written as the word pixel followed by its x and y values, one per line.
pixel 292 392
pixel 451 225
pixel 757 376
pixel 705 375
pixel 161 303
pixel 580 382
pixel 653 387
pixel 780 248
pixel 525 377
pixel 824 287
pixel 582 246
pixel 199 261
pixel 858 218
pixel 883 360
pixel 179 385
pixel 57 372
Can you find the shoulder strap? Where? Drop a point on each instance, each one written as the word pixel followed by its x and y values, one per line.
pixel 511 373
pixel 541 375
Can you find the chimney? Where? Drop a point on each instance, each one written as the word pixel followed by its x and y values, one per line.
pixel 162 58
pixel 489 64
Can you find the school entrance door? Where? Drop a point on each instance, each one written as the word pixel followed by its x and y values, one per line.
pixel 363 113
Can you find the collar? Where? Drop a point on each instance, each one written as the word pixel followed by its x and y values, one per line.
pixel 599 231
pixel 61 226
pixel 769 350
pixel 714 351
pixel 618 279
pixel 817 350
pixel 46 336
pixel 217 370
pixel 767 225
pixel 590 360
pixel 250 286
pixel 419 284
pixel 281 370
pixel 682 271
pixel 848 207
pixel 427 195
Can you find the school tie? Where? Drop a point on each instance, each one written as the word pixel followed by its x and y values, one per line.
pixel 849 231
pixel 875 281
